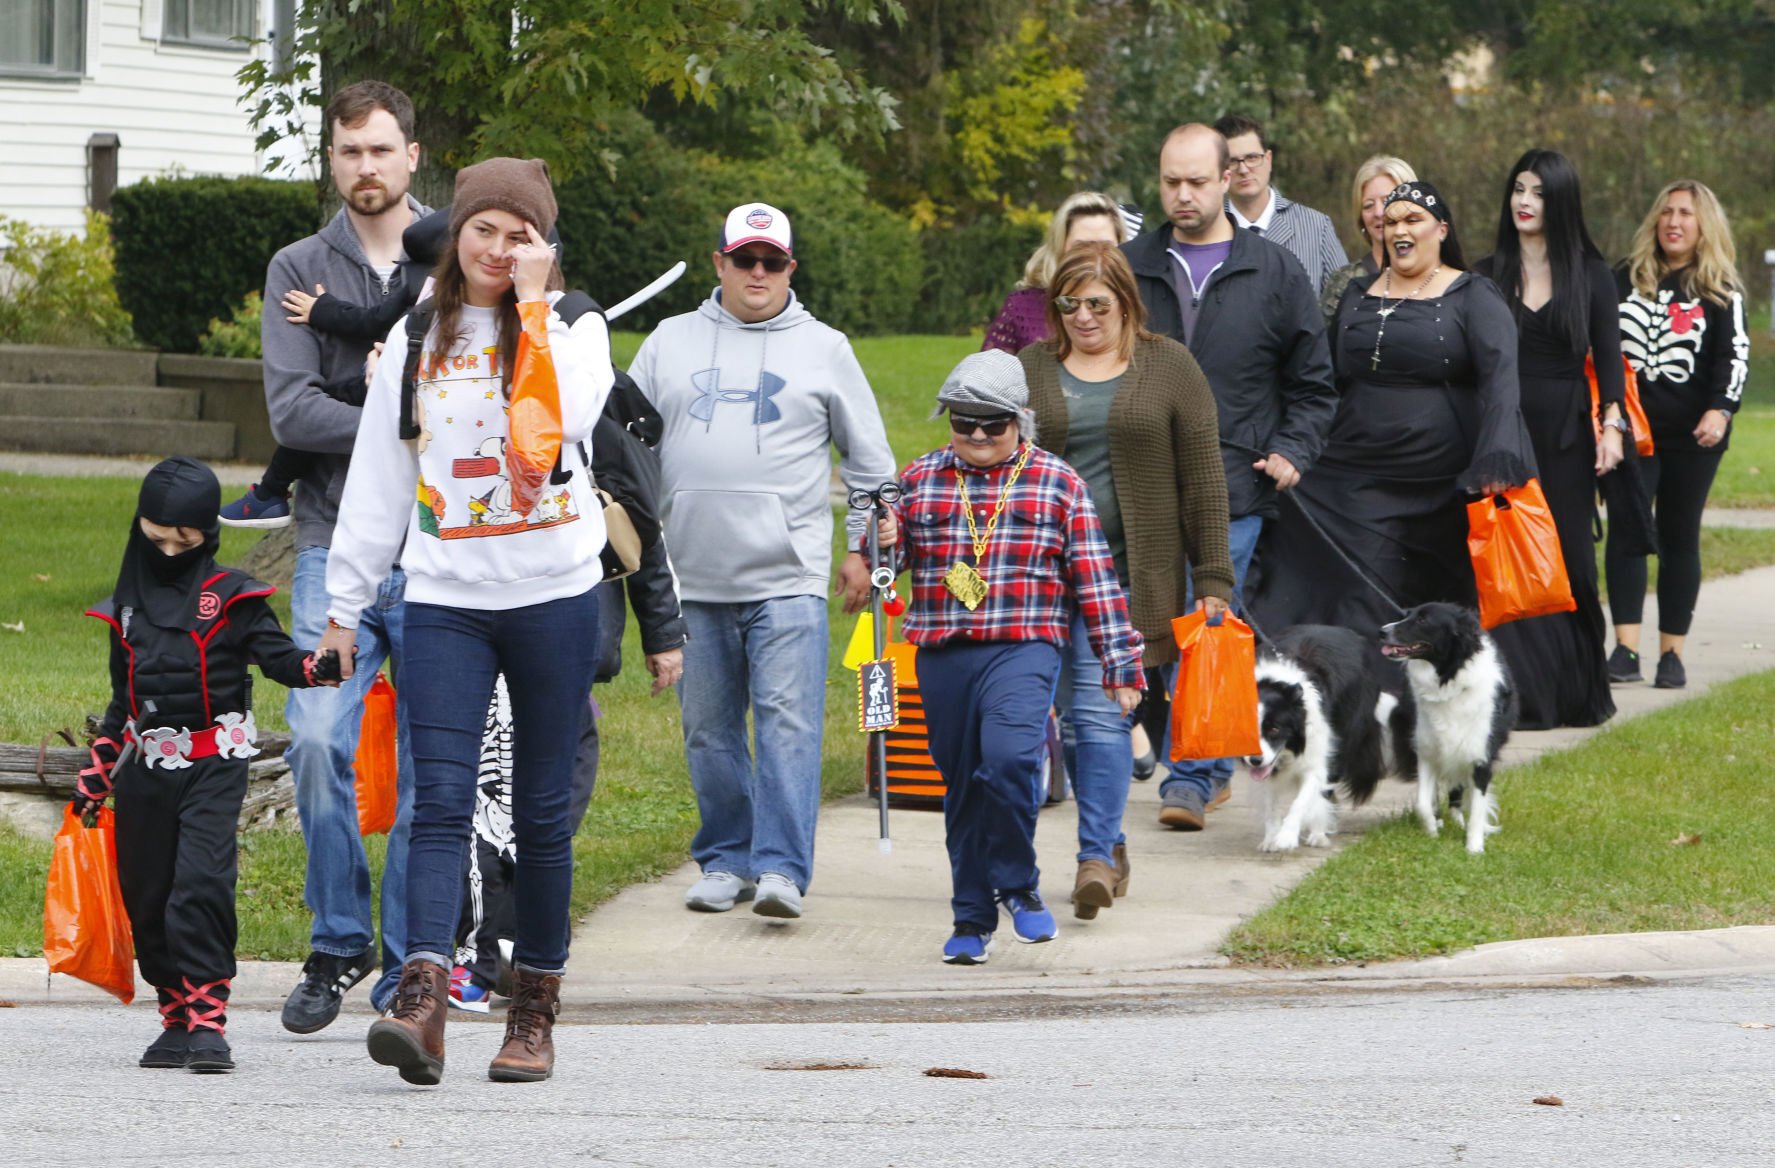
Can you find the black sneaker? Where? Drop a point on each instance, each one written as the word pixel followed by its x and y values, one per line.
pixel 169 1051
pixel 209 1053
pixel 1670 673
pixel 314 1003
pixel 1624 665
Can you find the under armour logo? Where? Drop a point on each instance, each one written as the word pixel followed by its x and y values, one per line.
pixel 708 384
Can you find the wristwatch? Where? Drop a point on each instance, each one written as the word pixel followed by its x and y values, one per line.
pixel 1621 424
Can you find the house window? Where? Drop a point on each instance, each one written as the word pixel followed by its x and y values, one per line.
pixel 44 38
pixel 222 24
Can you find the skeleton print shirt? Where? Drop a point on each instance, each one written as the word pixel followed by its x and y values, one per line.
pixel 1691 356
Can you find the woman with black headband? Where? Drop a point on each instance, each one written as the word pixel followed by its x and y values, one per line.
pixel 1427 420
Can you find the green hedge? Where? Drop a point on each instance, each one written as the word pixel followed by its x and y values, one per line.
pixel 190 249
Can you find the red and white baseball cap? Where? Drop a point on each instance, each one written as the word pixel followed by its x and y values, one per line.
pixel 756 223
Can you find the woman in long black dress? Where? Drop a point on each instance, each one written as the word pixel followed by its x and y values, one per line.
pixel 1428 419
pixel 1563 298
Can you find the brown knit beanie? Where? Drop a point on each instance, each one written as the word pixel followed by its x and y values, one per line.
pixel 518 185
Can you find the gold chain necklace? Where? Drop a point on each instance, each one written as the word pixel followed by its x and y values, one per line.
pixel 1387 310
pixel 962 579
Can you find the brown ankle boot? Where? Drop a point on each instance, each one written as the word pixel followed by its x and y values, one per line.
pixel 1093 889
pixel 411 1039
pixel 528 1055
pixel 1124 869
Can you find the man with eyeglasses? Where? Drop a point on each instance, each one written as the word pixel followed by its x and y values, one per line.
pixel 753 393
pixel 1257 205
pixel 1247 312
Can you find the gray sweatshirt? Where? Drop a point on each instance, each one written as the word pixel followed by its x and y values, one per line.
pixel 751 412
pixel 299 360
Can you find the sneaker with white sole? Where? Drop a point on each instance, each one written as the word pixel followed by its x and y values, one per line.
pixel 717 892
pixel 253 510
pixel 970 945
pixel 777 897
pixel 1030 919
pixel 468 994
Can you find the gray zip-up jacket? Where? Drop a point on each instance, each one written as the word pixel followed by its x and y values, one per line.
pixel 751 413
pixel 300 361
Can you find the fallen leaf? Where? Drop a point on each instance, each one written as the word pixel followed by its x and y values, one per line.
pixel 1741 1025
pixel 955 1073
pixel 820 1067
pixel 8 1005
pixel 1549 1101
pixel 1684 839
pixel 13 628
pixel 41 577
pixel 396 1143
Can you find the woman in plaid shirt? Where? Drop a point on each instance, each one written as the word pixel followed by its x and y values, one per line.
pixel 1003 545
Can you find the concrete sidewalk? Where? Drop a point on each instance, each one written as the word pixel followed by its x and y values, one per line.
pixel 867 945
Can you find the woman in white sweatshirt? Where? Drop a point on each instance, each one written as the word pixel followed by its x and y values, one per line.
pixel 501 560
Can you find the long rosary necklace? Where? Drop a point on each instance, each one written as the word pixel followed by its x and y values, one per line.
pixel 1387 310
pixel 962 579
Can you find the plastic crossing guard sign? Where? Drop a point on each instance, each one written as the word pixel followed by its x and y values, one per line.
pixel 878 699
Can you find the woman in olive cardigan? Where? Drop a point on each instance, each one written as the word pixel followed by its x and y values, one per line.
pixel 1133 414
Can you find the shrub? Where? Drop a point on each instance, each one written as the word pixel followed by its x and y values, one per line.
pixel 190 249
pixel 57 289
pixel 970 268
pixel 237 336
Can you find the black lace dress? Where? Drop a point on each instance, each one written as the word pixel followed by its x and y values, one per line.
pixel 1414 434
pixel 1560 662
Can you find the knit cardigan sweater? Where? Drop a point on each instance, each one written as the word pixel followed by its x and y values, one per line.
pixel 1164 454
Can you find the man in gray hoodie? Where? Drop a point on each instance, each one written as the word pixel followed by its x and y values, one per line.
pixel 754 392
pixel 372 157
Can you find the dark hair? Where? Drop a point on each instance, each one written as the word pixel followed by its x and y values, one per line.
pixel 1569 246
pixel 1233 125
pixel 351 105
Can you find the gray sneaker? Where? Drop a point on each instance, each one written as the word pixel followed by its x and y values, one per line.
pixel 717 892
pixel 1183 809
pixel 777 897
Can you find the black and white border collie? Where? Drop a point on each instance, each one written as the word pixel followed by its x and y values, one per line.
pixel 1317 692
pixel 1462 706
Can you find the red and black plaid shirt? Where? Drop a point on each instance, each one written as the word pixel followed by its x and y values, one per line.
pixel 1046 555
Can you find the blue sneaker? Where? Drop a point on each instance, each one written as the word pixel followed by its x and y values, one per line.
pixel 971 945
pixel 255 510
pixel 1030 918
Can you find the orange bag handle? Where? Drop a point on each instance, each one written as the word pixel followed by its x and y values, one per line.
pixel 533 420
pixel 1633 410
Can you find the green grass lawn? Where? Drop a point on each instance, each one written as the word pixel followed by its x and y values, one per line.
pixel 1591 843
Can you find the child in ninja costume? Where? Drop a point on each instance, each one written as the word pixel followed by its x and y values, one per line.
pixel 1003 544
pixel 182 634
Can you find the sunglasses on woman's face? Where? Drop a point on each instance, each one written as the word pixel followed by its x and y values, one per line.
pixel 1099 305
pixel 995 427
pixel 774 262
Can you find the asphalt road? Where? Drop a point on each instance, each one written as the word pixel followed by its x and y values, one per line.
pixel 1651 1074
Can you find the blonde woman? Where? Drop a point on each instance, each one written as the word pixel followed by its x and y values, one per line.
pixel 1682 330
pixel 1375 179
pixel 1086 216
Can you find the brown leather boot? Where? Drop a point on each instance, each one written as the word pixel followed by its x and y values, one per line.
pixel 528 1055
pixel 411 1038
pixel 1124 869
pixel 1093 889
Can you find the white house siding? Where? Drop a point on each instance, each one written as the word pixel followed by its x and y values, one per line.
pixel 171 106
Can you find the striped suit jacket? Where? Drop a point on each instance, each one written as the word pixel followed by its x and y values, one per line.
pixel 1308 235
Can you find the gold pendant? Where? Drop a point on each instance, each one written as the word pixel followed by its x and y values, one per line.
pixel 965 584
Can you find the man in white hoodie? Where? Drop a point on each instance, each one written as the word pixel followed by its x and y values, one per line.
pixel 754 392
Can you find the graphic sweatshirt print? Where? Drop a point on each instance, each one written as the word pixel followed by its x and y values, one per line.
pixel 752 412
pixel 446 495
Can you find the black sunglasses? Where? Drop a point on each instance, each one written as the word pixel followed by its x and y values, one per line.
pixel 774 262
pixel 994 426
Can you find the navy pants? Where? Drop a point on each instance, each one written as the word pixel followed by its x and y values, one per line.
pixel 986 711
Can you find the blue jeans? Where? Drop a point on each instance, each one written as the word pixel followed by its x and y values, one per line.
pixel 1101 757
pixel 770 655
pixel 324 726
pixel 1207 775
pixel 545 652
pixel 986 706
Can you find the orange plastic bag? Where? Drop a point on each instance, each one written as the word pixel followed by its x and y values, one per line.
pixel 533 420
pixel 85 928
pixel 375 764
pixel 1214 707
pixel 1634 411
pixel 1516 557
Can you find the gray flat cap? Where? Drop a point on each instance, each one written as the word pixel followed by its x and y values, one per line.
pixel 985 383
